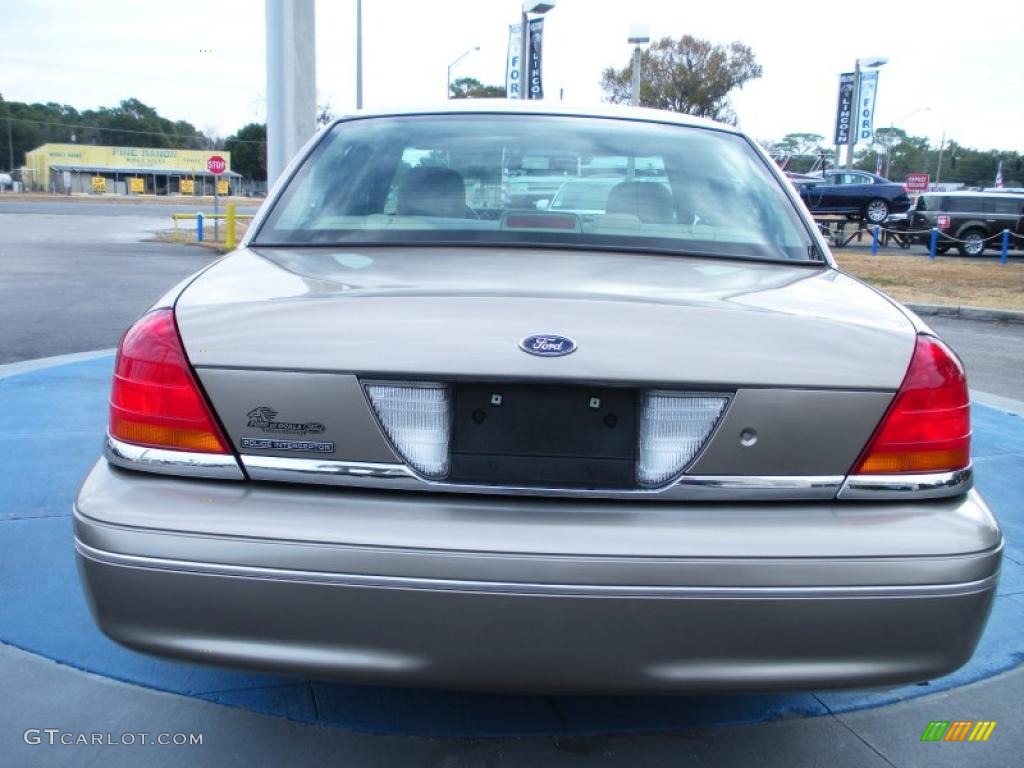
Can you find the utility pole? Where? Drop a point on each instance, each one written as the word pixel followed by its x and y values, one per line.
pixel 938 170
pixel 10 141
pixel 889 144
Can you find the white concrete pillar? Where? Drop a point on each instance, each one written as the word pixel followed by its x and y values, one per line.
pixel 291 80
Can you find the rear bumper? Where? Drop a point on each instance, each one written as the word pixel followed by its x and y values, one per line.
pixel 353 586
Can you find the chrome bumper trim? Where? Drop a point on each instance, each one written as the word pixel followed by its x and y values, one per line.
pixel 167 462
pixel 891 487
pixel 401 477
pixel 524 588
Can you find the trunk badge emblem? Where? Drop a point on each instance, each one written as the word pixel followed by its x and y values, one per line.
pixel 547 345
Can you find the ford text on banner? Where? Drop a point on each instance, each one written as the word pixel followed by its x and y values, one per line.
pixel 866 108
pixel 535 83
pixel 513 68
pixel 844 108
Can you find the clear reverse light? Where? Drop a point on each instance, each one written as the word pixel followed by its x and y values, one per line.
pixel 417 419
pixel 673 427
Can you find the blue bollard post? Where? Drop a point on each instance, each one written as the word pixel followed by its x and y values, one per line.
pixel 1004 254
pixel 199 227
pixel 934 244
pixel 874 240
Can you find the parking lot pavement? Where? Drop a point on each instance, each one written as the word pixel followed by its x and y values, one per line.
pixel 888 737
pixel 993 353
pixel 72 282
pixel 12 205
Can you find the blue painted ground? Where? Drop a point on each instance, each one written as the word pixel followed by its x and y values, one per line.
pixel 50 434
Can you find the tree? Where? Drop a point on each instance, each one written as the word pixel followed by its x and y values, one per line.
pixel 471 88
pixel 688 75
pixel 130 123
pixel 799 144
pixel 800 151
pixel 248 148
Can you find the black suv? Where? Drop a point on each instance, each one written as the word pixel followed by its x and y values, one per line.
pixel 969 217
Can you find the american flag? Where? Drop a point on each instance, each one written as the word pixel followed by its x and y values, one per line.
pixel 999 175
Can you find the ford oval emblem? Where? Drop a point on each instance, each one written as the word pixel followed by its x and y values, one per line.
pixel 547 345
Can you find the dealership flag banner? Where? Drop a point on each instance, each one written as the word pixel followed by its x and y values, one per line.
pixel 999 175
pixel 866 109
pixel 535 84
pixel 844 109
pixel 513 68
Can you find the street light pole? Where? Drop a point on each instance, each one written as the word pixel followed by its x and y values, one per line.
pixel 872 63
pixel 459 58
pixel 524 49
pixel 856 115
pixel 639 34
pixel 539 7
pixel 635 96
pixel 359 54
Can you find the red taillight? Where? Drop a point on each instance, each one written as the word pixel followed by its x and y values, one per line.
pixel 155 401
pixel 928 425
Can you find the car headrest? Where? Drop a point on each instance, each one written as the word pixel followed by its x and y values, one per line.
pixel 432 191
pixel 649 201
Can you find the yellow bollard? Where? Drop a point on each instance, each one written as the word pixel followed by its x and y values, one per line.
pixel 229 235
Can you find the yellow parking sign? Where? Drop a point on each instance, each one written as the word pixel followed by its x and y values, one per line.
pixel 222 188
pixel 99 184
pixel 187 186
pixel 136 184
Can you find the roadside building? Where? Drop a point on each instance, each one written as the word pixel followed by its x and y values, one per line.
pixel 66 168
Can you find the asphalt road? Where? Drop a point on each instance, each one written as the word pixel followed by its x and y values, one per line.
pixel 73 276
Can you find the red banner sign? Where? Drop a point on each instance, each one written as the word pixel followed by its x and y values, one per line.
pixel 917 182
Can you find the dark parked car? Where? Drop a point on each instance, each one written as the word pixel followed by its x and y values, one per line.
pixel 854 193
pixel 972 218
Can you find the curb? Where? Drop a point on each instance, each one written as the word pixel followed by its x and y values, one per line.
pixel 968 313
pixel 27 366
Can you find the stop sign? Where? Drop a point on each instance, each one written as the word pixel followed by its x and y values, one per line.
pixel 216 165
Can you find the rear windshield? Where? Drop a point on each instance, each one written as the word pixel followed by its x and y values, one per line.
pixel 538 180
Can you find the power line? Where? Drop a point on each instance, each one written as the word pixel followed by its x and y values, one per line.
pixel 200 136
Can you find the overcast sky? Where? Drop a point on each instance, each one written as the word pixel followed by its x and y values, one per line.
pixel 962 61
